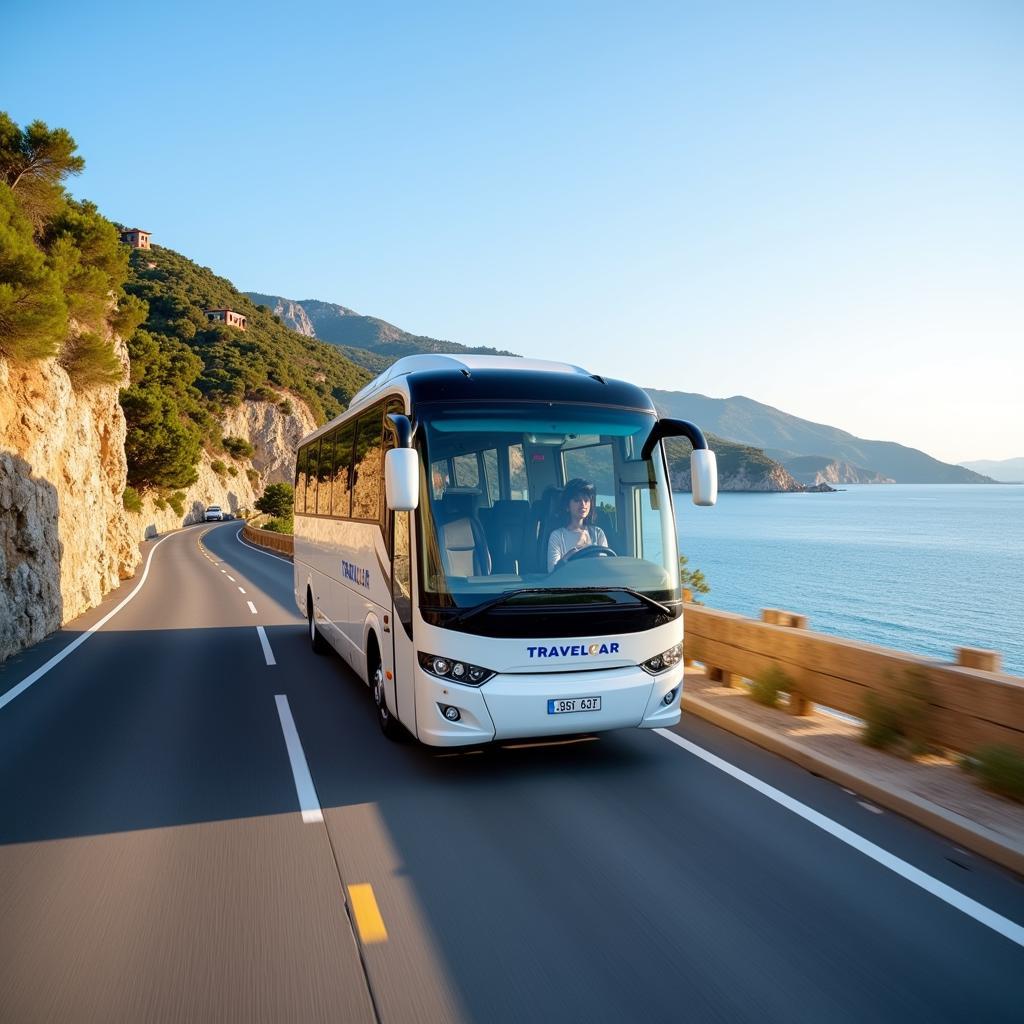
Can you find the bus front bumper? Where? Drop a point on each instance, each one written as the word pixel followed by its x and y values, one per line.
pixel 515 706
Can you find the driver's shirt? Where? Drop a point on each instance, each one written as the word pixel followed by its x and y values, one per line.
pixel 563 541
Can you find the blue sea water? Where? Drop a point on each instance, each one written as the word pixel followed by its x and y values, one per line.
pixel 920 568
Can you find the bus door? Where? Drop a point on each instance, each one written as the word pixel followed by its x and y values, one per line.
pixel 401 689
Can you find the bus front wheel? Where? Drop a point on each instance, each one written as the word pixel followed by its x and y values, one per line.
pixel 389 725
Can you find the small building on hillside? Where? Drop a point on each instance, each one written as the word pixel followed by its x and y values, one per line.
pixel 226 316
pixel 136 238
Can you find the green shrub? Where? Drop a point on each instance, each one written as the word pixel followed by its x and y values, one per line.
pixel 232 471
pixel 279 525
pixel 277 500
pixel 132 500
pixel 285 406
pixel 91 361
pixel 253 476
pixel 239 447
pixel 766 688
pixel 218 467
pixel 1000 769
pixel 902 721
pixel 161 503
pixel 177 502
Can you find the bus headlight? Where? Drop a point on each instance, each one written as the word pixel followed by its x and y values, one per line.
pixel 454 671
pixel 660 662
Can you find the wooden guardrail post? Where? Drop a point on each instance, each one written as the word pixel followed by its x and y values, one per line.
pixel 798 703
pixel 975 657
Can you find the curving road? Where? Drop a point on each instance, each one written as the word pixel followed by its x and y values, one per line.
pixel 164 857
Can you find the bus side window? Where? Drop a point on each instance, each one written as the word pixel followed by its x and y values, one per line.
pixel 341 465
pixel 367 466
pixel 311 477
pixel 301 462
pixel 467 470
pixel 491 474
pixel 519 487
pixel 323 487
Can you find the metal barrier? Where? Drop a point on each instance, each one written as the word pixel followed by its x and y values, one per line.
pixel 282 542
pixel 968 706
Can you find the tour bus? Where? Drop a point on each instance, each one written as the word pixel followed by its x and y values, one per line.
pixel 427 518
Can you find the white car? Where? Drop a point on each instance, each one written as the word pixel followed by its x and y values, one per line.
pixel 213 514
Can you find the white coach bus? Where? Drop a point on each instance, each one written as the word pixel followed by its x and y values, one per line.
pixel 490 543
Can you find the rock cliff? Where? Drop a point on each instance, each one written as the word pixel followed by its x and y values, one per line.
pixel 65 539
pixel 274 434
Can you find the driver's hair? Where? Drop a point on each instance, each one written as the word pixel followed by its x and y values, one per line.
pixel 573 489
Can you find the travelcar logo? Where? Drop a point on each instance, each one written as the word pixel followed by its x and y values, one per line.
pixel 572 650
pixel 360 577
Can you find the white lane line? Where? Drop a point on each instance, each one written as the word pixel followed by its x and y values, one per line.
pixel 870 807
pixel 238 537
pixel 1004 926
pixel 308 802
pixel 230 577
pixel 265 644
pixel 224 571
pixel 252 607
pixel 241 590
pixel 21 687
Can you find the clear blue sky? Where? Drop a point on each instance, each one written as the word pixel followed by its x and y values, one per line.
pixel 819 205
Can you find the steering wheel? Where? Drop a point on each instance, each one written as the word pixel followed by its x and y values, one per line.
pixel 590 551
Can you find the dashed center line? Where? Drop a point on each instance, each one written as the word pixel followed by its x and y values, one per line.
pixel 252 607
pixel 241 590
pixel 230 577
pixel 268 653
pixel 308 801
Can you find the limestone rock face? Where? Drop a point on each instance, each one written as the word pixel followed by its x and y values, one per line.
pixel 294 317
pixel 275 435
pixel 774 478
pixel 65 540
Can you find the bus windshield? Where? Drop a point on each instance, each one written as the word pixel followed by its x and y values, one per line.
pixel 541 507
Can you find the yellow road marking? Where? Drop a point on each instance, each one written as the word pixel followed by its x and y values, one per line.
pixel 367 914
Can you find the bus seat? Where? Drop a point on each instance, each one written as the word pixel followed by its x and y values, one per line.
pixel 506 534
pixel 464 550
pixel 544 518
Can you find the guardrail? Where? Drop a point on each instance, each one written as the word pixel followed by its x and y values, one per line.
pixel 282 542
pixel 969 704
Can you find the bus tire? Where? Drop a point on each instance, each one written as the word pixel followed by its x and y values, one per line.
pixel 316 641
pixel 389 725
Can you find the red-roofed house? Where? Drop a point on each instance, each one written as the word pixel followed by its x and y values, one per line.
pixel 136 238
pixel 226 316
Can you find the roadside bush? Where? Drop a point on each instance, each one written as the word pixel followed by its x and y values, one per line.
pixel 91 361
pixel 766 688
pixel 219 467
pixel 278 501
pixel 177 502
pixel 901 722
pixel 1000 769
pixel 279 525
pixel 239 447
pixel 160 503
pixel 132 500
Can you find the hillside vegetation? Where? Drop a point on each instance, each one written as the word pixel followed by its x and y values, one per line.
pixel 186 370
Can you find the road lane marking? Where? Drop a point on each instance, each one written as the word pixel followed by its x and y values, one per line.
pixel 241 590
pixel 252 607
pixel 367 914
pixel 265 644
pixel 224 571
pixel 870 807
pixel 1004 926
pixel 230 577
pixel 21 687
pixel 238 537
pixel 308 802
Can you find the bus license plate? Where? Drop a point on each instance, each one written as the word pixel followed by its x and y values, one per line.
pixel 563 705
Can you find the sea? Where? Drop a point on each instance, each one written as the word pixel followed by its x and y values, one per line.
pixel 922 568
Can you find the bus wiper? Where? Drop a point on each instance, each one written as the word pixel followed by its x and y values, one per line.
pixel 479 609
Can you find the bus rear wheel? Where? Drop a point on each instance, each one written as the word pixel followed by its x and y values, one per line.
pixel 316 641
pixel 389 725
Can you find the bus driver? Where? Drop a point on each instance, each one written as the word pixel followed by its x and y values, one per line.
pixel 580 529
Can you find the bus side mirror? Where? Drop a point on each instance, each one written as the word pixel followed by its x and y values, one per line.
pixel 402 479
pixel 703 476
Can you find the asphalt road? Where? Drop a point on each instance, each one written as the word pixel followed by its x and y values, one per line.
pixel 154 863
